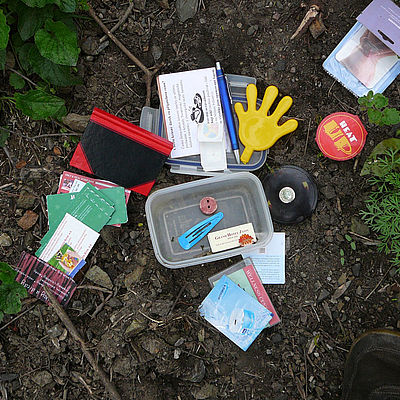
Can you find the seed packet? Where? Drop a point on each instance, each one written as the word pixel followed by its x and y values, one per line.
pixel 67 260
pixel 367 57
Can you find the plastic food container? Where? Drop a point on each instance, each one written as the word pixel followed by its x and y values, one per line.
pixel 172 211
pixel 151 120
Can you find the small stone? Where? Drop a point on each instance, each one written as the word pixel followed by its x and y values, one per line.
pixel 293 70
pixel 134 328
pixel 55 331
pixel 177 353
pixel 166 23
pixel 323 295
pixel 28 220
pixel 239 25
pixel 276 16
pixel 252 30
pixel 359 291
pixel 156 52
pixel 342 279
pixel 25 200
pixel 197 371
pixel 114 302
pixel 99 277
pixel 134 234
pixel 280 65
pixel 340 290
pixel 133 277
pixel 186 9
pixel 152 345
pixel 276 338
pixel 357 226
pixel 90 46
pixel 5 240
pixel 205 392
pixel 76 122
pixel 329 192
pixel 122 366
pixel 42 378
pixel 356 269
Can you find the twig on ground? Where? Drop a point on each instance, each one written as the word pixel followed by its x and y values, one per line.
pixel 101 305
pixel 177 298
pixel 372 242
pixel 9 156
pixel 91 287
pixel 121 21
pixel 149 72
pixel 53 135
pixel 22 76
pixel 110 387
pixel 17 317
pixel 379 283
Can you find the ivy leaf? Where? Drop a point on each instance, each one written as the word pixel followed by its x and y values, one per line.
pixel 10 297
pixel 38 3
pixel 38 104
pixel 16 81
pixel 4 31
pixel 374 116
pixel 58 43
pixel 67 6
pixel 30 20
pixel 4 135
pixel 55 74
pixel 2 58
pixel 7 274
pixel 391 116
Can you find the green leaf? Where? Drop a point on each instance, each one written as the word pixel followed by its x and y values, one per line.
pixel 55 74
pixel 23 57
pixel 30 20
pixel 67 6
pixel 38 104
pixel 370 95
pixel 374 116
pixel 16 81
pixel 58 43
pixel 2 58
pixel 380 101
pixel 4 135
pixel 353 245
pixel 363 101
pixel 7 274
pixel 4 31
pixel 38 3
pixel 341 251
pixel 342 260
pixel 371 166
pixel 391 116
pixel 10 297
pixel 348 238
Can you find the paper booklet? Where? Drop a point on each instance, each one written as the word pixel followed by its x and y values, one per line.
pixel 188 99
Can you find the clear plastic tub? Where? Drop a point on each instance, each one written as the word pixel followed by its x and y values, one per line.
pixel 173 210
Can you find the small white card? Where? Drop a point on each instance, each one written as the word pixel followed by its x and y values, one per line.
pixel 74 232
pixel 269 261
pixel 229 238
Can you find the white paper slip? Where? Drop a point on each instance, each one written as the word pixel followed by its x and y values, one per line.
pixel 229 238
pixel 73 232
pixel 269 261
pixel 187 99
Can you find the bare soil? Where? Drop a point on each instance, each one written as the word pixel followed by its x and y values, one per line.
pixel 146 333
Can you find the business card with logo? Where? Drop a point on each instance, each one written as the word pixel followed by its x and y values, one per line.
pixel 229 238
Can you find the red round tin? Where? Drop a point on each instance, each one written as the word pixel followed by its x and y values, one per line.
pixel 341 136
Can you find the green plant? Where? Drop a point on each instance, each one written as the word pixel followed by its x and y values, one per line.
pixel 383 204
pixel 352 242
pixel 341 252
pixel 42 36
pixel 378 111
pixel 11 292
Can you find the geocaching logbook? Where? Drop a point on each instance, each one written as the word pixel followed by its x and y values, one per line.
pixel 121 152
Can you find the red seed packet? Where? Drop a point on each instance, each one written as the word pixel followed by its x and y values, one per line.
pixel 341 136
pixel 34 273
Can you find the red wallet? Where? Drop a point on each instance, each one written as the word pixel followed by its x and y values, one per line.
pixel 114 149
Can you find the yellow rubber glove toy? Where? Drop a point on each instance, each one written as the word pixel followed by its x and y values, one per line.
pixel 258 131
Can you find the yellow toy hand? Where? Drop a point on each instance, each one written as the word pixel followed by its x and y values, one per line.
pixel 258 131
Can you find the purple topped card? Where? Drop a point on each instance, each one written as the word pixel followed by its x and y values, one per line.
pixel 382 18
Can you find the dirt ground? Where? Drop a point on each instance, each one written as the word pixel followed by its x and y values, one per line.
pixel 145 330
